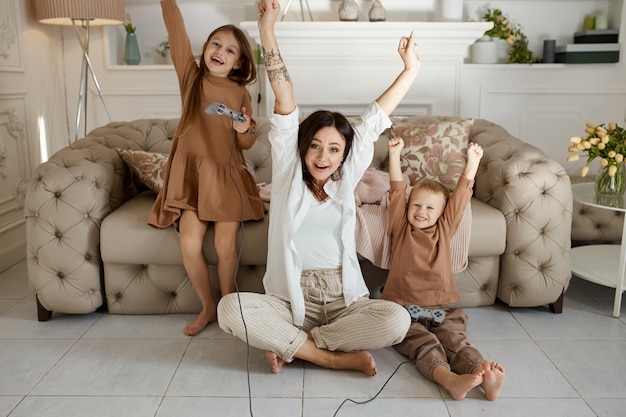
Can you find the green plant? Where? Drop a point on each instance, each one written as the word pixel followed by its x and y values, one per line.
pixel 163 48
pixel 129 24
pixel 503 28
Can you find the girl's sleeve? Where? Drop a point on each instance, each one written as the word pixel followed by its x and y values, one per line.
pixel 180 47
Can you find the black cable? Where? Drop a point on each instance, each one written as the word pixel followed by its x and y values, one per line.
pixel 378 393
pixel 239 250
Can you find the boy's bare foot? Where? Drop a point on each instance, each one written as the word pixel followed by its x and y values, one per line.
pixel 493 379
pixel 275 363
pixel 200 322
pixel 458 385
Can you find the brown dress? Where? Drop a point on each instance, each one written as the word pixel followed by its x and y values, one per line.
pixel 205 161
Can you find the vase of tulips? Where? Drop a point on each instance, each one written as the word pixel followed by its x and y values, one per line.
pixel 608 145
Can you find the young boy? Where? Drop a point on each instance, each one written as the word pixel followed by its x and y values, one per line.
pixel 420 274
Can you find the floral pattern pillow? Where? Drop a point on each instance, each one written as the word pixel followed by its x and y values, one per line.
pixel 149 167
pixel 436 151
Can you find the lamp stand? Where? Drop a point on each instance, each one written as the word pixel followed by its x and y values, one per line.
pixel 301 10
pixel 86 69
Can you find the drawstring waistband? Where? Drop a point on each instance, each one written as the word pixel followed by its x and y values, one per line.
pixel 322 286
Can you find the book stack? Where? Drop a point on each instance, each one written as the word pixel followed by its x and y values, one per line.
pixel 591 47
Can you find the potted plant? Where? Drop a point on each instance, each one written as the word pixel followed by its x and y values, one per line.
pixel 512 33
pixel 163 49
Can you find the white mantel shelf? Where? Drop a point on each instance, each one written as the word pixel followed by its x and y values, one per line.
pixel 345 65
pixel 436 39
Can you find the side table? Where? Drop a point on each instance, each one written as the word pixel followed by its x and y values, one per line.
pixel 601 264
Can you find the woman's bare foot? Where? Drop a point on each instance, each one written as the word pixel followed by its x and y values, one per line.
pixel 458 385
pixel 359 361
pixel 493 379
pixel 200 322
pixel 275 363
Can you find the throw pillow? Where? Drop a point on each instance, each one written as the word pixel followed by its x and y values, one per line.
pixel 436 151
pixel 149 167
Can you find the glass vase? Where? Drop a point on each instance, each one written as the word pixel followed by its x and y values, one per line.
pixel 611 186
pixel 132 56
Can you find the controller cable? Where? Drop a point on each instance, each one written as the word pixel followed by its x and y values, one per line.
pixel 239 250
pixel 377 394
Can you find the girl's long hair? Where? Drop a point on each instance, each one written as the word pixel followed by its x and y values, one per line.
pixel 245 74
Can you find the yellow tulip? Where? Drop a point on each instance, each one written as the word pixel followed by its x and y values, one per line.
pixel 572 148
pixel 580 147
pixel 612 154
pixel 591 125
pixel 575 139
pixel 590 130
pixel 584 170
pixel 594 141
pixel 601 131
pixel 573 158
pixel 619 158
pixel 586 144
pixel 510 40
pixel 604 162
pixel 601 146
pixel 605 139
pixel 612 126
pixel 612 170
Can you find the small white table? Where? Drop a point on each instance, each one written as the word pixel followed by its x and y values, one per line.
pixel 601 264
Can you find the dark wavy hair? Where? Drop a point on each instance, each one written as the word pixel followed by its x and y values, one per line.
pixel 307 130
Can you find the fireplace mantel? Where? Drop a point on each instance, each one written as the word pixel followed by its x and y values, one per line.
pixel 345 65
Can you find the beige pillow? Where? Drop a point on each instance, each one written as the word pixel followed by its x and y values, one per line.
pixel 437 151
pixel 149 167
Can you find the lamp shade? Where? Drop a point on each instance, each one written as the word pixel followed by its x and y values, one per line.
pixel 98 12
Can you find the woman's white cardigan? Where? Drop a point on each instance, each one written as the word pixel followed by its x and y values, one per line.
pixel 289 206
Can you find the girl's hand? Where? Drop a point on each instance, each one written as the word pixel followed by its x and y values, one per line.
pixel 242 127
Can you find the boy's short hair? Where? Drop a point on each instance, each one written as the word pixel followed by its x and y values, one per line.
pixel 432 186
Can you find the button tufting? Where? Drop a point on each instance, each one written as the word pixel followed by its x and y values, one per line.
pixel 58 234
pixel 60 275
pixel 174 294
pixel 57 194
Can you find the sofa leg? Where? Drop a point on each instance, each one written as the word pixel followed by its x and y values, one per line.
pixel 42 313
pixel 557 306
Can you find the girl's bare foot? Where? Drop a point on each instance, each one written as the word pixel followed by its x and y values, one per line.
pixel 275 363
pixel 458 385
pixel 493 379
pixel 201 321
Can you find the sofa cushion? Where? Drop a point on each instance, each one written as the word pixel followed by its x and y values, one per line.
pixel 435 150
pixel 126 238
pixel 149 167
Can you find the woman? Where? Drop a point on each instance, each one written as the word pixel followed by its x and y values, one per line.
pixel 316 304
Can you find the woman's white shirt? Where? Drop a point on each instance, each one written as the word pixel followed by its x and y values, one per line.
pixel 291 201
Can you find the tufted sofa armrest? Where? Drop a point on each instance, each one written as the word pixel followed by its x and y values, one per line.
pixel 65 204
pixel 534 193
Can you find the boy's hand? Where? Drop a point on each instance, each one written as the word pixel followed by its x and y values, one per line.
pixel 395 146
pixel 474 155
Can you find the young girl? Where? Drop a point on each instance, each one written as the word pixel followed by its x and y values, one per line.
pixel 206 179
pixel 316 305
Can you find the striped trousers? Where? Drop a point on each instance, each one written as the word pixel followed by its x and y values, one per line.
pixel 268 324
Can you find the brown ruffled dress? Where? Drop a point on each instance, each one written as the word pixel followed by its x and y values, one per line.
pixel 205 162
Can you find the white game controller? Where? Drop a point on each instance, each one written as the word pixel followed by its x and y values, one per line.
pixel 219 108
pixel 418 313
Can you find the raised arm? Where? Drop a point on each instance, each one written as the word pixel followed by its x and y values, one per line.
pixel 474 155
pixel 395 146
pixel 390 99
pixel 276 69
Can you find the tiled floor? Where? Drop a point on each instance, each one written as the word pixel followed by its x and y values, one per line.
pixel 101 365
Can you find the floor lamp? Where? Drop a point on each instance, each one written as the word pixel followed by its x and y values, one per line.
pixel 82 14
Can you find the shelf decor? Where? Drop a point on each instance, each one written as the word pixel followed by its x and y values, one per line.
pixel 512 33
pixel 132 56
pixel 607 144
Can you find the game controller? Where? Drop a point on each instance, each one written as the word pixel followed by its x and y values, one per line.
pixel 418 313
pixel 219 108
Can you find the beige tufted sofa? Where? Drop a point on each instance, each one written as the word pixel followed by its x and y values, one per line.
pixel 88 244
